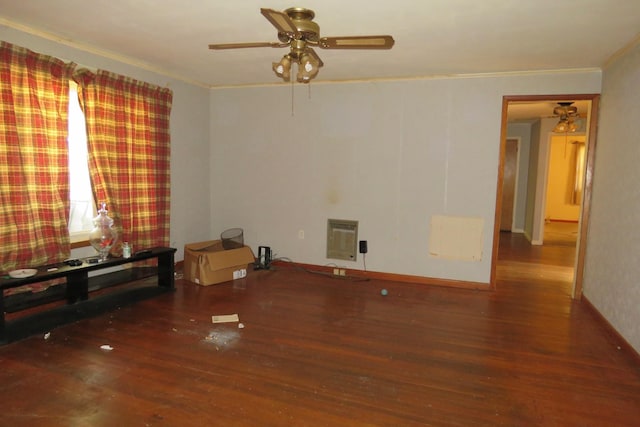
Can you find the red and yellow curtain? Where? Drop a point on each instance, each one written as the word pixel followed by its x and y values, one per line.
pixel 34 180
pixel 127 125
pixel 129 153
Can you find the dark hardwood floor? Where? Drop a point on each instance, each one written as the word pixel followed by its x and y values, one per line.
pixel 319 351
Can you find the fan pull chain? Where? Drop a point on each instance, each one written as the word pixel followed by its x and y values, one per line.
pixel 292 103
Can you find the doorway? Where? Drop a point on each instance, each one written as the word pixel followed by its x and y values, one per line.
pixel 537 180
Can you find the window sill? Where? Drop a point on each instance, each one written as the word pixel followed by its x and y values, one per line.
pixel 80 244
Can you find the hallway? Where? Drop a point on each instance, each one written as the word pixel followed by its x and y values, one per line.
pixel 550 265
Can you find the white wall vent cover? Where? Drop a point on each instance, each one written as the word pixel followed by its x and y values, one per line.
pixel 342 239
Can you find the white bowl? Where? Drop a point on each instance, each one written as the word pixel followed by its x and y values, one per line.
pixel 23 273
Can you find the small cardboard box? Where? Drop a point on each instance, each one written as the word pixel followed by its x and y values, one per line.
pixel 208 263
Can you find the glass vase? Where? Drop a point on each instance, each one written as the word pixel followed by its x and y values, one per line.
pixel 103 236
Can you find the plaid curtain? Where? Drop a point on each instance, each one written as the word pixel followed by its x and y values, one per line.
pixel 34 177
pixel 129 153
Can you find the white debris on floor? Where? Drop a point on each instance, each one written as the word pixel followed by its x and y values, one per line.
pixel 222 339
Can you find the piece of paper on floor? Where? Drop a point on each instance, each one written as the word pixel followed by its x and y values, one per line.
pixel 225 318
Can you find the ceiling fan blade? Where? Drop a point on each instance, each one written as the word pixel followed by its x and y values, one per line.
pixel 281 21
pixel 220 46
pixel 315 56
pixel 356 42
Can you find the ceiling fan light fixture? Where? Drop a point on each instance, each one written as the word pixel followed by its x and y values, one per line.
pixel 297 30
pixel 565 109
pixel 562 126
pixel 565 125
pixel 568 113
pixel 283 68
pixel 308 68
pixel 303 76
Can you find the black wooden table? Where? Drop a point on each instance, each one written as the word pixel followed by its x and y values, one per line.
pixel 76 293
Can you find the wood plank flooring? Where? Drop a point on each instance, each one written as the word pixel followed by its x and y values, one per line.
pixel 319 351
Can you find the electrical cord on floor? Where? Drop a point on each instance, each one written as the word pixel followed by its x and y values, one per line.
pixel 321 273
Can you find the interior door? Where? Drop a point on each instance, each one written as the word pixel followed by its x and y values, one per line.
pixel 509 184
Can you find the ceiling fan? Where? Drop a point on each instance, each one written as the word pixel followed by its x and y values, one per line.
pixel 298 32
pixel 568 114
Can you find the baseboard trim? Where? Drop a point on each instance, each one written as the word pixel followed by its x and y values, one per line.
pixel 392 277
pixel 618 339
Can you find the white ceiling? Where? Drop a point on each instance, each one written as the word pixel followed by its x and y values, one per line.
pixel 433 38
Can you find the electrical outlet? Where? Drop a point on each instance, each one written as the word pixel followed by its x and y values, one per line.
pixel 300 234
pixel 363 247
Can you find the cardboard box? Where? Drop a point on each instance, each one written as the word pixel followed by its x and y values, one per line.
pixel 208 263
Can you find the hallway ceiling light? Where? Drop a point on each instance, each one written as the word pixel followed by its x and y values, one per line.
pixel 568 114
pixel 565 125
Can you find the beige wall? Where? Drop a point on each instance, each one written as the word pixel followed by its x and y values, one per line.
pixel 612 271
pixel 391 155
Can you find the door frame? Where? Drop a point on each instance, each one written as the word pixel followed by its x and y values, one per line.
pixel 588 184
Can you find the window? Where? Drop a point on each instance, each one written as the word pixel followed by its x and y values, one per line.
pixel 34 224
pixel 83 208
